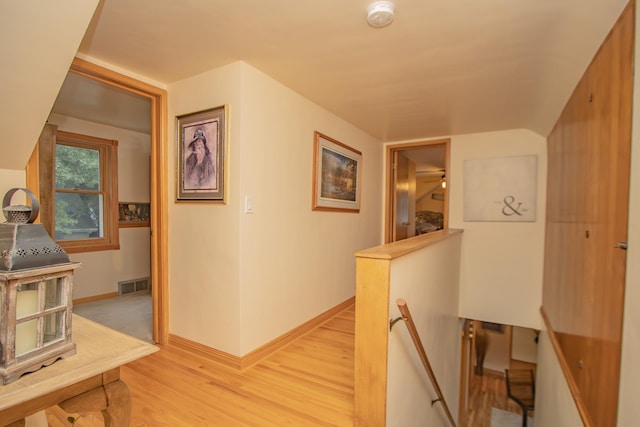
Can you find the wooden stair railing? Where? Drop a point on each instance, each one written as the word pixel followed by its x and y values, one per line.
pixel 408 320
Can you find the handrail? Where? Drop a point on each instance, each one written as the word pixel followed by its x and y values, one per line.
pixel 408 320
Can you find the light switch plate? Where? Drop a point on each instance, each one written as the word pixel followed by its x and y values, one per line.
pixel 248 204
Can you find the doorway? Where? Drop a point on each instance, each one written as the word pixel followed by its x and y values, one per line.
pixel 488 351
pixel 158 172
pixel 417 193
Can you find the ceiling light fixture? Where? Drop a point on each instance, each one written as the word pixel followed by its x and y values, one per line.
pixel 380 13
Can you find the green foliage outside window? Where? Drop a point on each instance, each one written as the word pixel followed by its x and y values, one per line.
pixel 77 198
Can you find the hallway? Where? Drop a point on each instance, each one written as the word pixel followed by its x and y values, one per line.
pixel 309 382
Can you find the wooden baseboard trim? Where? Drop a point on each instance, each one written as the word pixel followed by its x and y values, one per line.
pixel 271 347
pixel 564 365
pixel 261 352
pixel 95 298
pixel 221 357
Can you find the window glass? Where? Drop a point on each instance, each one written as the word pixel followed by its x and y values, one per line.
pixel 85 196
pixel 77 168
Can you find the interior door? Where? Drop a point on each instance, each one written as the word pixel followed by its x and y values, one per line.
pixel 401 185
pixel 404 200
pixel 587 216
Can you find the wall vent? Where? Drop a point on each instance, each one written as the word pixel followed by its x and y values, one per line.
pixel 135 285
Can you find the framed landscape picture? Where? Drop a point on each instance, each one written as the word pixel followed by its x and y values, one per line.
pixel 202 156
pixel 337 175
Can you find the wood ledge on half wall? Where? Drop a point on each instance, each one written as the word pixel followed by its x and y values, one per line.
pixel 402 247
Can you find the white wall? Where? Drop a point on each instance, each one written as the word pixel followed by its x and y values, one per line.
pixel 428 281
pixel 101 271
pixel 628 408
pixel 502 262
pixel 554 404
pixel 252 277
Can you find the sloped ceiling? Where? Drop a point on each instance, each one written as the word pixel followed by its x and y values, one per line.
pixel 38 40
pixel 87 99
pixel 443 67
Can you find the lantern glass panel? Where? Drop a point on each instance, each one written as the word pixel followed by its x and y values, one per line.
pixel 27 300
pixel 53 327
pixel 26 336
pixel 54 293
pixel 26 330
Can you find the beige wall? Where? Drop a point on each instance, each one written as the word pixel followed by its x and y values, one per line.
pixel 101 271
pixel 554 404
pixel 498 353
pixel 39 41
pixel 523 345
pixel 240 280
pixel 428 281
pixel 502 262
pixel 11 179
pixel 427 203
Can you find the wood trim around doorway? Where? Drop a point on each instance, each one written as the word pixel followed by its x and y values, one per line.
pixel 389 190
pixel 158 180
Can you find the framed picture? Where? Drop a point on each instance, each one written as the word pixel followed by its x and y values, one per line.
pixel 337 175
pixel 133 214
pixel 202 156
pixel 500 189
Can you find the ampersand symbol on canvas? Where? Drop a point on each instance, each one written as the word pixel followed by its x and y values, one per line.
pixel 509 209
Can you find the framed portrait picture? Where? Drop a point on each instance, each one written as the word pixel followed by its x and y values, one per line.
pixel 202 156
pixel 337 175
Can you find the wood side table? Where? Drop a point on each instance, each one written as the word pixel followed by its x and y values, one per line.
pixel 88 381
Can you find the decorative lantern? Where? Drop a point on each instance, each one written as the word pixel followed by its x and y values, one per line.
pixel 36 284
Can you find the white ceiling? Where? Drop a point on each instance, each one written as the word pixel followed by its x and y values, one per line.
pixel 444 67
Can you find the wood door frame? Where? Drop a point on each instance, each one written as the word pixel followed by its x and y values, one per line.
pixel 390 188
pixel 158 182
pixel 466 368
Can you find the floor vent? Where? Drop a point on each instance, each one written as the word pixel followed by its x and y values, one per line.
pixel 136 285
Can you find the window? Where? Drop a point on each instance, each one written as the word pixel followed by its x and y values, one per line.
pixel 85 193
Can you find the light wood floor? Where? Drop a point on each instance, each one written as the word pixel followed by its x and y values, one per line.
pixel 488 390
pixel 308 383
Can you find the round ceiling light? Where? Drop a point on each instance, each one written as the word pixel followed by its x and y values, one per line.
pixel 380 13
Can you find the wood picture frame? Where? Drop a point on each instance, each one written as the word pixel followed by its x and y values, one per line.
pixel 337 175
pixel 202 164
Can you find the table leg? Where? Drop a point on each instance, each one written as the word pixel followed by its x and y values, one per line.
pixel 118 411
pixel 112 399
